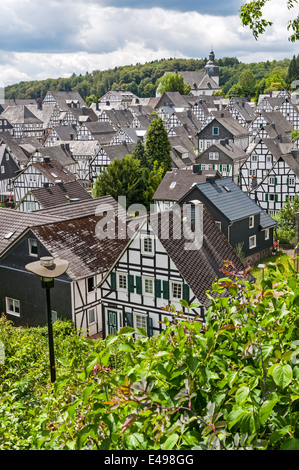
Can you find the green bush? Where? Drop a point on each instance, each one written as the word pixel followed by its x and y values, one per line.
pixel 230 382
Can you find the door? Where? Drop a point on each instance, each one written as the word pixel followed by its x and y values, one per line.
pixel 112 322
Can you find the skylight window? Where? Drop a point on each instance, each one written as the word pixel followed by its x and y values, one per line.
pixel 8 235
pixel 227 189
pixel 173 184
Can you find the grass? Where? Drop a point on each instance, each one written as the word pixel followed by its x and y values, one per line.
pixel 281 257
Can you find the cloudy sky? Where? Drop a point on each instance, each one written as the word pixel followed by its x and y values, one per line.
pixel 50 38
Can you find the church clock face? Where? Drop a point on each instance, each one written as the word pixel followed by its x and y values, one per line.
pixel 211 70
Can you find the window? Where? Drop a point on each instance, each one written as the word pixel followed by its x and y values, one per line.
pixel 252 242
pixel 254 158
pixel 218 224
pixel 291 181
pixel 2 169
pixel 12 306
pixel 91 316
pixel 272 180
pixel 267 234
pixel 213 155
pixel 252 172
pixel 90 284
pixel 122 281
pixel 176 290
pixel 251 221
pixel 33 248
pixel 147 245
pixel 140 321
pixel 148 286
pixel 215 131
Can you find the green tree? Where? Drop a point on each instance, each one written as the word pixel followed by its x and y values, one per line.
pixel 157 145
pixel 285 231
pixel 252 16
pixel 121 178
pixel 247 83
pixel 172 82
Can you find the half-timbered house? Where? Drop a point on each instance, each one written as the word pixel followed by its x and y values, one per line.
pixel 280 183
pixel 222 127
pixel 261 159
pixel 36 175
pixel 157 269
pixel 223 156
pixel 24 122
pixel 74 238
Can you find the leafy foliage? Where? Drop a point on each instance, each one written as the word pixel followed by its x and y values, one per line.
pixel 230 382
pixel 172 82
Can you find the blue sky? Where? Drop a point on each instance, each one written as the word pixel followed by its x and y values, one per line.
pixel 51 39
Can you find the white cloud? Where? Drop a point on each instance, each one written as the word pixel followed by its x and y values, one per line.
pixel 52 39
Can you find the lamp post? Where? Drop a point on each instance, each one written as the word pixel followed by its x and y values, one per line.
pixel 48 268
pixel 263 267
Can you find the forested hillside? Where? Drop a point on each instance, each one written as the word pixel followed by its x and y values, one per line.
pixel 236 78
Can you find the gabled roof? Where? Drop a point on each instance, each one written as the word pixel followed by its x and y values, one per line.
pixel 229 199
pixel 20 115
pixel 229 123
pixel 199 267
pixel 172 98
pixel 77 241
pixel 13 223
pixel 226 147
pixel 178 182
pixel 59 194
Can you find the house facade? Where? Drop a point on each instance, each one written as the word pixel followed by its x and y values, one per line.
pixel 158 269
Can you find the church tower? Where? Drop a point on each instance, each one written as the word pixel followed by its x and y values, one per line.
pixel 212 68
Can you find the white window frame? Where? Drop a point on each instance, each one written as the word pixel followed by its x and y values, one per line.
pixel 218 223
pixel 267 234
pixel 291 181
pixel 251 221
pixel 139 321
pixel 118 282
pixel 172 287
pixel 253 237
pixel 272 180
pixel 215 128
pixel 88 315
pixel 213 155
pixel 145 280
pixel 32 242
pixel 144 239
pixel 16 304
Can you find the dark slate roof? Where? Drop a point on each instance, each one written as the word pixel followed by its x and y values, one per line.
pixel 184 180
pixel 229 199
pixel 54 171
pixel 118 151
pixel 79 209
pixel 76 240
pixel 202 266
pixel 60 194
pixel 13 223
pixel 228 148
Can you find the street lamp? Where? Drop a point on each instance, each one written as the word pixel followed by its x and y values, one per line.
pixel 296 259
pixel 47 268
pixel 263 267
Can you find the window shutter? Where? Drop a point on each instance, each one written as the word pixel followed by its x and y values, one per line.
pixel 158 288
pixel 138 285
pixel 166 290
pixel 287 181
pixel 275 180
pixel 149 325
pixel 227 168
pixel 186 291
pixel 267 197
pixel 276 197
pixel 130 283
pixel 287 198
pixel 129 318
pixel 213 166
pixel 220 168
pixel 199 166
pixel 113 281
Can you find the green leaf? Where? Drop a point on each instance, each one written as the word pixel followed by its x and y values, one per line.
pixel 126 347
pixel 282 374
pixel 231 377
pixel 192 363
pixel 290 444
pixel 266 410
pixel 171 442
pixel 242 395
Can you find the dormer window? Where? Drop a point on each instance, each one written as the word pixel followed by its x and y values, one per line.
pixel 32 246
